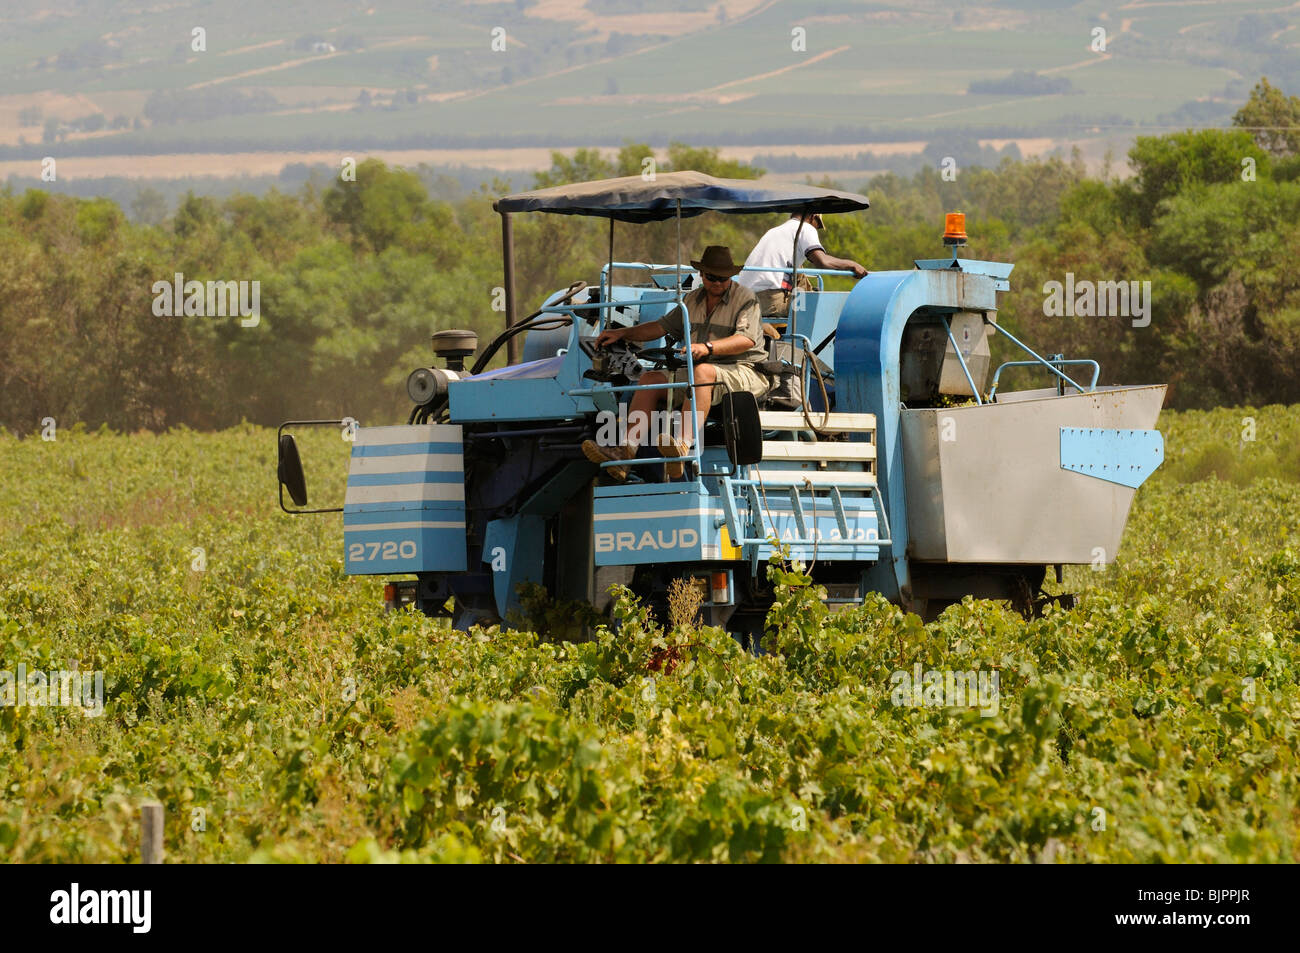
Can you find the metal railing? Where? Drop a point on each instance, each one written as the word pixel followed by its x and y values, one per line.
pixel 818 273
pixel 695 450
pixel 1039 359
pixel 755 489
pixel 675 297
pixel 606 281
pixel 1092 385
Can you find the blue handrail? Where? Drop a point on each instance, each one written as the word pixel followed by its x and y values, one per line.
pixel 1092 385
pixel 1039 359
pixel 820 273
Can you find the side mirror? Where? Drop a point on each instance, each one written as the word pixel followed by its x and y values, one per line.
pixel 740 425
pixel 288 465
pixel 289 470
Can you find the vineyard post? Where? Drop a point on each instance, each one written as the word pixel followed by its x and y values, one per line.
pixel 151 833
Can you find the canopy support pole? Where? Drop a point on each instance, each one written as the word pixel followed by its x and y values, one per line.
pixel 794 276
pixel 508 257
pixel 679 251
pixel 609 272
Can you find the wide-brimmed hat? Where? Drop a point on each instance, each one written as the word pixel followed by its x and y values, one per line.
pixel 716 260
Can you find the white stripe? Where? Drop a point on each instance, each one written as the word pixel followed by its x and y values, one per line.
pixel 366 527
pixel 657 515
pixel 408 493
pixel 822 450
pixel 414 433
pixel 795 420
pixel 410 463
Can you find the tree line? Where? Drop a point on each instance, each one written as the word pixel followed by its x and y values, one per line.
pixel 355 275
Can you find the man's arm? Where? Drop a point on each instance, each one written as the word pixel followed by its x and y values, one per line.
pixel 820 259
pixel 637 332
pixel 723 347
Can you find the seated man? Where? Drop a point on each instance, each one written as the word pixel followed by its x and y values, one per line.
pixel 726 344
pixel 794 240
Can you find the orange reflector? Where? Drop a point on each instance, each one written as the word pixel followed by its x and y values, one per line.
pixel 718 581
pixel 954 228
pixel 390 593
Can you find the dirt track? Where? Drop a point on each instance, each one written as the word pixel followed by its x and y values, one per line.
pixel 509 160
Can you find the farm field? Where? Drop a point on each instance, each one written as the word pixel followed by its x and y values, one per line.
pixel 280 716
pixel 590 72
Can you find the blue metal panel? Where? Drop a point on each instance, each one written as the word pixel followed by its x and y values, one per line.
pixel 405 505
pixel 474 400
pixel 514 549
pixel 671 522
pixel 400 449
pixel 541 369
pixel 688 522
pixel 1126 457
pixel 999 271
pixel 404 479
pixel 412 547
pixel 534 391
pixel 651 489
pixel 818 317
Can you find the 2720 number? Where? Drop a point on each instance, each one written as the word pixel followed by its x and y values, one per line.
pixel 364 552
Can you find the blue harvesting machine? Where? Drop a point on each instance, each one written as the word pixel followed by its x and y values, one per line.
pixel 889 461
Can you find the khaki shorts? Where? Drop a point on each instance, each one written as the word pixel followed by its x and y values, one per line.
pixel 773 303
pixel 731 377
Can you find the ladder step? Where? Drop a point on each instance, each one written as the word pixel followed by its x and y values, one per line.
pixel 838 423
pixel 820 450
pixel 850 479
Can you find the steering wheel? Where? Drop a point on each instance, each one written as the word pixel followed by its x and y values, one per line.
pixel 619 352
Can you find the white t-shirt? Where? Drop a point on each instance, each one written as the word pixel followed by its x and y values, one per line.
pixel 773 251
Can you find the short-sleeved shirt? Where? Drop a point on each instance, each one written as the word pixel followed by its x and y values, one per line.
pixel 776 249
pixel 736 313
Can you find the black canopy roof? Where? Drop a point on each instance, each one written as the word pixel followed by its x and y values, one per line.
pixel 634 199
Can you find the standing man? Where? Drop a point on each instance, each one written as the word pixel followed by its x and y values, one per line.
pixel 792 241
pixel 726 344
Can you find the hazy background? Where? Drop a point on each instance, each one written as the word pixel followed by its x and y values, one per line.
pixel 118 92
